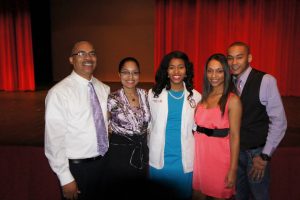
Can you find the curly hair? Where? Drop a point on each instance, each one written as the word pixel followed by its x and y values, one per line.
pixel 228 85
pixel 161 78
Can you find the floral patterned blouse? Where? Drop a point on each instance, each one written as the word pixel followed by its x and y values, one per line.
pixel 125 119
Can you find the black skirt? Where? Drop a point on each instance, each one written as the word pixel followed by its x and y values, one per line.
pixel 127 157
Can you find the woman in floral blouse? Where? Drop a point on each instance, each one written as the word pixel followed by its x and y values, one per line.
pixel 129 118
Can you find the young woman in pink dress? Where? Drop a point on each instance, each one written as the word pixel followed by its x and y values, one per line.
pixel 218 118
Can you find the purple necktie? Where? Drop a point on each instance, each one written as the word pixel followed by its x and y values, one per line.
pixel 239 86
pixel 102 138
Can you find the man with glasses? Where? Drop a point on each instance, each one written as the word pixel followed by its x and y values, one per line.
pixel 76 137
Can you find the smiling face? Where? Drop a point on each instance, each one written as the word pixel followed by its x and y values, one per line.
pixel 176 73
pixel 129 75
pixel 238 59
pixel 215 73
pixel 84 59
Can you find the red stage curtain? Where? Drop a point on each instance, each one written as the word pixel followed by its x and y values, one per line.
pixel 16 55
pixel 203 27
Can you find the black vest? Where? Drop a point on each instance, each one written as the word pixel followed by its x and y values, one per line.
pixel 255 120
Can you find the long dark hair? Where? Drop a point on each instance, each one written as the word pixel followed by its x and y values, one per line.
pixel 161 78
pixel 228 85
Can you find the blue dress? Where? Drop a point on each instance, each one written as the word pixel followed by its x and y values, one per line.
pixel 172 174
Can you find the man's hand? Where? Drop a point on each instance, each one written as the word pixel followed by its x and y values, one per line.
pixel 70 191
pixel 258 168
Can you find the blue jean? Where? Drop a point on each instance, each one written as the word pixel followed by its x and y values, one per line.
pixel 247 187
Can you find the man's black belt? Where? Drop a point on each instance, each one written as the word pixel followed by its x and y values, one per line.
pixel 254 147
pixel 84 160
pixel 213 132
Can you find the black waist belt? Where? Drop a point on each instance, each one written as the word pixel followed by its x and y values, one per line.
pixel 84 160
pixel 139 155
pixel 213 132
pixel 252 147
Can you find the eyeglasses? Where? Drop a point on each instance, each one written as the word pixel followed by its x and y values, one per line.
pixel 128 73
pixel 84 54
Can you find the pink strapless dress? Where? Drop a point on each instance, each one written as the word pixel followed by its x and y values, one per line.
pixel 212 154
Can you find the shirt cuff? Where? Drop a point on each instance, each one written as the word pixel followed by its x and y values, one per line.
pixel 268 149
pixel 65 178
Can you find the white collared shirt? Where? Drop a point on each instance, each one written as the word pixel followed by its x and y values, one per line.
pixel 69 127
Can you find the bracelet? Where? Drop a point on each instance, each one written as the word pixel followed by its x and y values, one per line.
pixel 265 157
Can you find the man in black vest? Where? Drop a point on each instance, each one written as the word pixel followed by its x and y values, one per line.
pixel 263 123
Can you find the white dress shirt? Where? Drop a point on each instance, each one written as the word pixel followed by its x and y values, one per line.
pixel 69 126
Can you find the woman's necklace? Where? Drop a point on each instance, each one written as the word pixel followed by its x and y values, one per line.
pixel 174 97
pixel 132 97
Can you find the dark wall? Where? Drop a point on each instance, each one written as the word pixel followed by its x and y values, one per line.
pixel 117 28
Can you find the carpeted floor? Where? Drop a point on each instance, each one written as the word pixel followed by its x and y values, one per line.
pixel 25 172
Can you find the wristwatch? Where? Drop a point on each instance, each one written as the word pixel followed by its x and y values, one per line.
pixel 265 157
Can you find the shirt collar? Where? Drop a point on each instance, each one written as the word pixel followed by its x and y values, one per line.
pixel 81 79
pixel 245 75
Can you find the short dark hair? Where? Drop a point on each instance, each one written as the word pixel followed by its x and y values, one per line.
pixel 75 46
pixel 127 59
pixel 238 43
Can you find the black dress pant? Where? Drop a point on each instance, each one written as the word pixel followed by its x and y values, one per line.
pixel 90 178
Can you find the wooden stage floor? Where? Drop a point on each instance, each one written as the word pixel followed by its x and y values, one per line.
pixel 22 118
